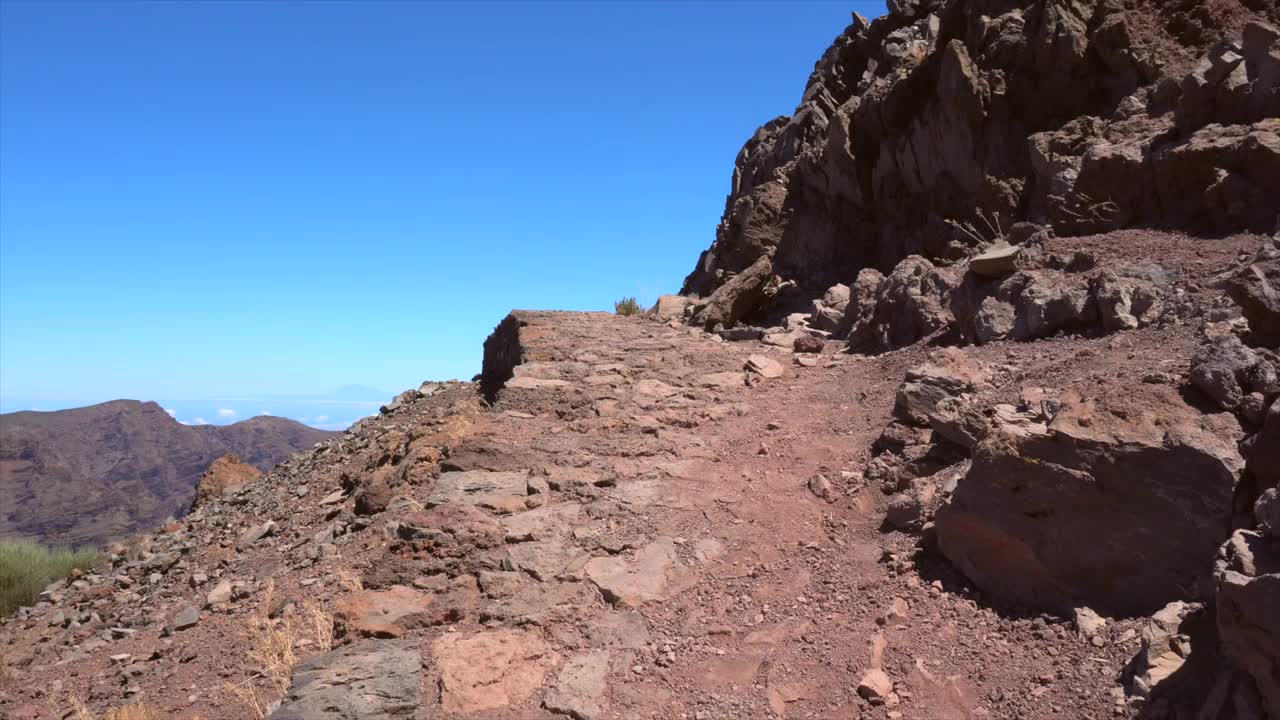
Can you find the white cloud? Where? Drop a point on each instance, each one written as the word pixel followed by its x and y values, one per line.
pixel 264 412
pixel 320 418
pixel 226 412
pixel 197 421
pixel 172 413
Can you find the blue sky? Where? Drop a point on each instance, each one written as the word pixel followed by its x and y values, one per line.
pixel 266 199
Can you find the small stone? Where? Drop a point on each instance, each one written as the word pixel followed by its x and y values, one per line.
pixel 256 533
pixel 185 619
pixel 820 486
pixel 998 261
pixel 221 593
pixel 875 686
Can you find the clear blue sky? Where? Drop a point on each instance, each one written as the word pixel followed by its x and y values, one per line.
pixel 271 198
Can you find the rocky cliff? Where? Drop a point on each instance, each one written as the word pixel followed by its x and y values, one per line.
pixel 934 130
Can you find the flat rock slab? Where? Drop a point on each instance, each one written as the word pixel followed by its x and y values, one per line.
pixel 736 669
pixel 996 262
pixel 722 380
pixel 545 560
pixel 631 582
pixel 499 491
pixel 580 687
pixel 654 388
pixel 536 383
pixel 369 680
pixel 625 629
pixel 490 670
pixel 386 613
pixel 764 366
pixel 541 523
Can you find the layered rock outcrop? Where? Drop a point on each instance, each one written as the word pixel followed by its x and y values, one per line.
pixel 932 130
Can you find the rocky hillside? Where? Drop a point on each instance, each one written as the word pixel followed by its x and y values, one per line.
pixel 883 460
pixel 95 474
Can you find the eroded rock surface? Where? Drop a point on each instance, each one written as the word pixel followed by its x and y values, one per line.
pixel 1116 503
pixel 369 680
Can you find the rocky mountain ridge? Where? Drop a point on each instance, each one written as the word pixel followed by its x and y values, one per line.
pixel 99 473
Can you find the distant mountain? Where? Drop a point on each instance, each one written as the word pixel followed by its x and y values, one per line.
pixel 97 473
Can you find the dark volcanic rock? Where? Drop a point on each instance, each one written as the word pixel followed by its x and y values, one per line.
pixel 1248 617
pixel 934 129
pixel 369 680
pixel 1257 289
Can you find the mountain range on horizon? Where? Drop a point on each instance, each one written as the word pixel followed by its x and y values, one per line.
pixel 333 411
pixel 89 475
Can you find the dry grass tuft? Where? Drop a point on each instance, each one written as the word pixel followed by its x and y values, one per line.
pixel 628 306
pixel 7 679
pixel 993 233
pixel 248 696
pixel 278 644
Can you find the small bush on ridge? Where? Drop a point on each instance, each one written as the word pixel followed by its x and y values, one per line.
pixel 628 306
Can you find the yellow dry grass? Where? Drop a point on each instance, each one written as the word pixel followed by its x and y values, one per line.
pixel 277 644
pixel 7 680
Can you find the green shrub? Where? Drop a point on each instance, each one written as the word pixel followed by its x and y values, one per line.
pixel 27 568
pixel 628 306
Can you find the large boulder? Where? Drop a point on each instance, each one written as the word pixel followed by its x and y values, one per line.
pixel 1256 288
pixel 1053 294
pixel 909 305
pixel 734 300
pixel 1227 371
pixel 669 306
pixel 1118 503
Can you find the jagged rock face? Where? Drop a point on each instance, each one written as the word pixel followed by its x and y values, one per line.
pixel 1119 504
pixel 1085 116
pixel 1256 288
